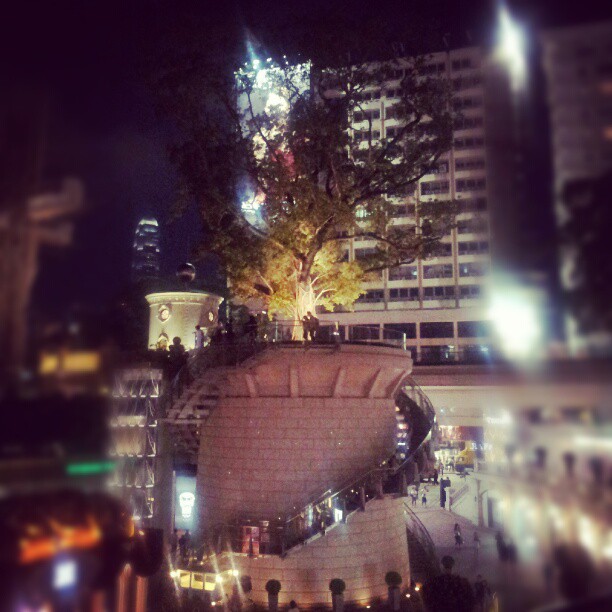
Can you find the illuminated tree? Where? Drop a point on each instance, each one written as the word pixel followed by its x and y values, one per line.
pixel 285 164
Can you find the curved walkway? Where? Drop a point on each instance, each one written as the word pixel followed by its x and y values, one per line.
pixel 519 588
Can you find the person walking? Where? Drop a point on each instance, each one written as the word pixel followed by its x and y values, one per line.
pixel 482 595
pixel 458 538
pixel 424 499
pixel 313 325
pixel 305 327
pixel 476 539
pixel 441 468
pixel 293 607
pixel 448 592
pixel 435 476
pixel 199 337
pixel 174 545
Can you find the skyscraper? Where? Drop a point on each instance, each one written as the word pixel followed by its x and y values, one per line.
pixel 577 63
pixel 145 259
pixel 443 304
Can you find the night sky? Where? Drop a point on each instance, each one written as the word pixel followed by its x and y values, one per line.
pixel 90 62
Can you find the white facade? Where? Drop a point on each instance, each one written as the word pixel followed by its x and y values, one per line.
pixel 441 304
pixel 176 313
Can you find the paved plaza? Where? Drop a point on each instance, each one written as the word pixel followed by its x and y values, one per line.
pixel 518 588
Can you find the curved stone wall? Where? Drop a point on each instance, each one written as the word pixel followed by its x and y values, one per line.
pixel 295 424
pixel 359 552
pixel 176 313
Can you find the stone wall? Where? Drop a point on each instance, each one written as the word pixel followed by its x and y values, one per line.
pixel 359 552
pixel 264 457
pixel 176 313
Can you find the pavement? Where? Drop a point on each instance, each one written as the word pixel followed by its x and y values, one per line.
pixel 518 587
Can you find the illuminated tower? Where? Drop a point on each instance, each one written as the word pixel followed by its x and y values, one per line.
pixel 145 260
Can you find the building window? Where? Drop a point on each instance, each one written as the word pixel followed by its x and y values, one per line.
pixel 434 187
pixel 437 330
pixel 438 271
pixel 440 168
pixel 472 226
pixel 392 330
pixel 467 123
pixel 474 329
pixel 374 295
pixel 474 268
pixel 365 252
pixel 366 115
pixel 410 294
pixel 429 69
pixel 469 163
pixel 473 247
pixel 473 205
pixel 470 291
pixel 444 249
pixel 403 273
pixel 462 64
pixel 471 184
pixel 463 103
pixel 468 143
pixel 446 292
pixel 466 82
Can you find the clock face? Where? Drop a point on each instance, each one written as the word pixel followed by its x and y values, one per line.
pixel 163 313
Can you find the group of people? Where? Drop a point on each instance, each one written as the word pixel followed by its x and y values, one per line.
pixel 181 544
pixel 310 327
pixel 452 593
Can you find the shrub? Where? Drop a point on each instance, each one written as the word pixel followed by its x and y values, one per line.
pixel 273 587
pixel 393 579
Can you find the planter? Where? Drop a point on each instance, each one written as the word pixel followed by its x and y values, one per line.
pixel 394 580
pixel 273 588
pixel 337 588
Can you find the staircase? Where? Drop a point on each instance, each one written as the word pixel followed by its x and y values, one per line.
pixel 422 551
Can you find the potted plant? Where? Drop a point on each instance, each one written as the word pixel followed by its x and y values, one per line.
pixel 393 580
pixel 337 587
pixel 273 588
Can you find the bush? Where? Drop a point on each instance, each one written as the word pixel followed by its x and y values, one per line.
pixel 273 587
pixel 337 586
pixel 393 579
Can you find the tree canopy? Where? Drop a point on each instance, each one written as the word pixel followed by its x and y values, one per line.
pixel 286 164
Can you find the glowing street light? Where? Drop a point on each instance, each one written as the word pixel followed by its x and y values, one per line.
pixel 516 317
pixel 510 47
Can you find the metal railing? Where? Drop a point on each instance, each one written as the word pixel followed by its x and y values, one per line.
pixel 419 531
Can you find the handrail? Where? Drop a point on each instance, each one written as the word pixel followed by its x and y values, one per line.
pixel 284 534
pixel 423 536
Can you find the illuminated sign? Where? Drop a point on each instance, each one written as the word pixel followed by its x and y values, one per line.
pixel 64 574
pixel 185 502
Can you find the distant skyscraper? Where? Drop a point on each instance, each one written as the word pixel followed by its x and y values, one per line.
pixel 145 261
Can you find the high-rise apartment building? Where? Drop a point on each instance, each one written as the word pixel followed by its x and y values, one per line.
pixel 442 303
pixel 146 258
pixel 577 63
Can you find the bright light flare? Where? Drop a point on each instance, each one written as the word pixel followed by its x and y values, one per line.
pixel 516 320
pixel 511 47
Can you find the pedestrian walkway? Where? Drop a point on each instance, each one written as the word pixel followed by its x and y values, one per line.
pixel 519 587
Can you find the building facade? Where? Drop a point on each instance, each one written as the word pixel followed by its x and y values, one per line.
pixel 146 251
pixel 443 304
pixel 577 63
